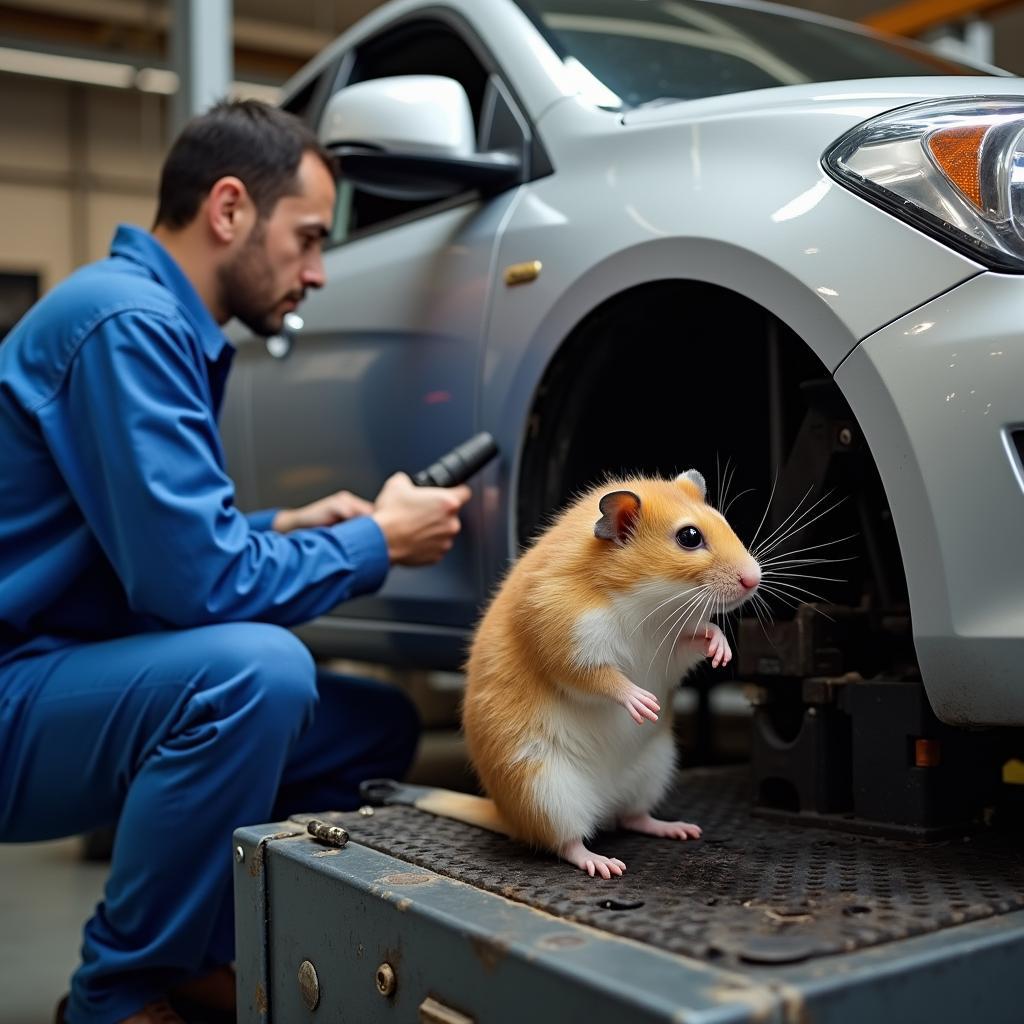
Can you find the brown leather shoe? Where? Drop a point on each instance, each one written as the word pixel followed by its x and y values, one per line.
pixel 153 1013
pixel 209 999
pixel 214 991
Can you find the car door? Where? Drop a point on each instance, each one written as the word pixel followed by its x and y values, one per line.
pixel 379 371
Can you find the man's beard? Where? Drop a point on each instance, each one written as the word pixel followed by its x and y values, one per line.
pixel 247 284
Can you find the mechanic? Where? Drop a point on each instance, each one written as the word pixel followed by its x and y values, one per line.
pixel 146 674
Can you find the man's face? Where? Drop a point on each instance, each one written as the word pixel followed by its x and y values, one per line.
pixel 282 256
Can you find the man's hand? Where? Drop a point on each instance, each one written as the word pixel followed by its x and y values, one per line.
pixel 335 508
pixel 419 523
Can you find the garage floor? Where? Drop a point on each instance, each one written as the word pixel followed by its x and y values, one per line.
pixel 46 893
pixel 47 890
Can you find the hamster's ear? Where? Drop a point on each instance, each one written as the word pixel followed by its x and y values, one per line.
pixel 693 482
pixel 621 511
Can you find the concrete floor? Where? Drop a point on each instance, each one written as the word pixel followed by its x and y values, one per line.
pixel 47 891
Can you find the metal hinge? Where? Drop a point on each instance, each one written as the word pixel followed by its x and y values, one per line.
pixel 324 832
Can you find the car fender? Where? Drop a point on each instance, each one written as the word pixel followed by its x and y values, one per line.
pixel 514 363
pixel 667 202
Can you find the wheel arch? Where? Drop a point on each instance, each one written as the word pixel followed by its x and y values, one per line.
pixel 720 266
pixel 591 392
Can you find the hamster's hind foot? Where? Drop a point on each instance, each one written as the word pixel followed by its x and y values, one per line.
pixel 654 827
pixel 593 863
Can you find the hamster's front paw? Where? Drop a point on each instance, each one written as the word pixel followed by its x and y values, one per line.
pixel 640 703
pixel 716 647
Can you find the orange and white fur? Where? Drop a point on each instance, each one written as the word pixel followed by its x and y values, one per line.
pixel 567 712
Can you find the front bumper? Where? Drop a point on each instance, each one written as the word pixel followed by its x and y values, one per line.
pixel 937 394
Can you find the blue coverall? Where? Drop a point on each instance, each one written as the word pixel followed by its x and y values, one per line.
pixel 145 673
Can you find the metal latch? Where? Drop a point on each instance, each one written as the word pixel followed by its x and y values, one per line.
pixel 324 832
pixel 434 1012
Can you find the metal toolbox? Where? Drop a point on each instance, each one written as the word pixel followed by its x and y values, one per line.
pixel 420 919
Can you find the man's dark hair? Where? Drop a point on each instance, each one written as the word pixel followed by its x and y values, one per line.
pixel 257 143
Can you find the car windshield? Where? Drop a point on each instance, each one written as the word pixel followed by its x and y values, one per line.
pixel 630 52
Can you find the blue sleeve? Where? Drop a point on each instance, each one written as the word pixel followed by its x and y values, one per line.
pixel 263 519
pixel 147 471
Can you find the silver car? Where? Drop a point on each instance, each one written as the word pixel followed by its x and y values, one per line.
pixel 656 234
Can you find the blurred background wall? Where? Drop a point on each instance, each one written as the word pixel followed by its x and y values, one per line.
pixel 85 107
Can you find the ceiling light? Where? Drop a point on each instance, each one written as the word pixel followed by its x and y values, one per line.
pixel 113 74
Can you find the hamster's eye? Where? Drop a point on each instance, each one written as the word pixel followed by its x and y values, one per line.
pixel 690 537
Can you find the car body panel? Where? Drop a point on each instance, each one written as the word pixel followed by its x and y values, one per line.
pixel 382 376
pixel 943 386
pixel 417 342
pixel 675 205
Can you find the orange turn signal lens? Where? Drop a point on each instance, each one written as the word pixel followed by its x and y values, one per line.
pixel 957 151
pixel 927 754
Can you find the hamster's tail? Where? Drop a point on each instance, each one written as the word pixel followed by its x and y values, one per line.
pixel 446 803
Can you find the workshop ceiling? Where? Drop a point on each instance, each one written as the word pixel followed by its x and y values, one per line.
pixel 273 39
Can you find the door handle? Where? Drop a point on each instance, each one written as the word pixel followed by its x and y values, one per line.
pixel 279 345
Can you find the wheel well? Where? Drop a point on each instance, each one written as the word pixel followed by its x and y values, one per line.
pixel 678 374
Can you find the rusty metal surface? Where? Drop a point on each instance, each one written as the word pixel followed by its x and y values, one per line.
pixel 751 891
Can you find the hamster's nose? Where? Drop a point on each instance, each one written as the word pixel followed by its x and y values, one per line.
pixel 750 578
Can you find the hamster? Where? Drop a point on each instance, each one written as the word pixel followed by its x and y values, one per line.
pixel 567 708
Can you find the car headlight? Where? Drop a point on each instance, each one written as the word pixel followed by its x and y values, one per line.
pixel 955 169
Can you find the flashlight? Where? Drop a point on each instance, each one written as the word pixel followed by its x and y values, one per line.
pixel 459 464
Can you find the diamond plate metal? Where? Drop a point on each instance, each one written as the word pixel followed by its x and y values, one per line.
pixel 751 891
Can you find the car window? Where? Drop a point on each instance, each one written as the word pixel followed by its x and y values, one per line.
pixel 631 52
pixel 301 103
pixel 308 102
pixel 423 48
pixel 414 48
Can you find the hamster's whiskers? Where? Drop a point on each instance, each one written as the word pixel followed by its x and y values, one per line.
pixel 780 572
pixel 734 498
pixel 728 621
pixel 723 486
pixel 763 547
pixel 772 575
pixel 722 490
pixel 688 609
pixel 757 532
pixel 793 591
pixel 675 597
pixel 784 559
pixel 788 597
pixel 694 600
pixel 679 632
pixel 756 602
pixel 800 523
pixel 694 595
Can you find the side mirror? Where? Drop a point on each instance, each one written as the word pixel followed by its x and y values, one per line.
pixel 411 137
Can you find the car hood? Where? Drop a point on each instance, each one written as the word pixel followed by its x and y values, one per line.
pixel 859 99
